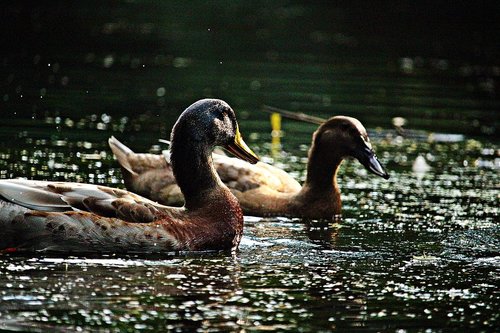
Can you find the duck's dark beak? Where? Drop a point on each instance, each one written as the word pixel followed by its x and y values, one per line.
pixel 367 157
pixel 240 149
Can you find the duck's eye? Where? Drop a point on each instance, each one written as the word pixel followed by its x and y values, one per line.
pixel 366 141
pixel 224 124
pixel 219 115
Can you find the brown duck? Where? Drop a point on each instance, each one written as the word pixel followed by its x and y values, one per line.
pixel 264 190
pixel 70 217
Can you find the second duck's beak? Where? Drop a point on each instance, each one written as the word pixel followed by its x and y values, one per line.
pixel 240 149
pixel 367 157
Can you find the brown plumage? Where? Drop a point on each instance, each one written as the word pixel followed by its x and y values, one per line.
pixel 70 217
pixel 264 190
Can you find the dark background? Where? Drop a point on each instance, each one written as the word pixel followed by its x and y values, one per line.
pixel 112 56
pixel 456 30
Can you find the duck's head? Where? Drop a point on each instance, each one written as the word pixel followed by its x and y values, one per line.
pixel 341 137
pixel 210 123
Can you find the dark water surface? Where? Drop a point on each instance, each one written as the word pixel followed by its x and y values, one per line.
pixel 417 252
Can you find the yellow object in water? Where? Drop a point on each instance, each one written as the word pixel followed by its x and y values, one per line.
pixel 276 124
pixel 276 133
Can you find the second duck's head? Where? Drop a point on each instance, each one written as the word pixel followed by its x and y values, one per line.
pixel 340 137
pixel 208 123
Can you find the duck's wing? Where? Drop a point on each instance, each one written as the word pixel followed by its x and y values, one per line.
pixel 52 216
pixel 82 232
pixel 61 197
pixel 241 176
pixel 284 182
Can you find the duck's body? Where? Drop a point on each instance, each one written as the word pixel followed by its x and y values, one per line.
pixel 69 217
pixel 271 192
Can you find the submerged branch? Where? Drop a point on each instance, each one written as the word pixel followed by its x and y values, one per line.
pixel 294 115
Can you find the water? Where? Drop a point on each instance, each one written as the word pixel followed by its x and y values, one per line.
pixel 417 252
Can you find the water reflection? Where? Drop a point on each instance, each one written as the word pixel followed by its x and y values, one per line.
pixel 119 293
pixel 403 256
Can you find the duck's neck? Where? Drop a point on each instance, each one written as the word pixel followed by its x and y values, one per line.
pixel 194 171
pixel 320 190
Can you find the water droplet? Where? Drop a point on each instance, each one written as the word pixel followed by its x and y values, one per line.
pixel 160 92
pixel 108 61
pixel 105 118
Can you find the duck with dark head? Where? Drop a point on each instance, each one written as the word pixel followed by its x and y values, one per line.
pixel 70 217
pixel 262 189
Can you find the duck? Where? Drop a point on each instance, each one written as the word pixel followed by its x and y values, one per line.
pixel 264 190
pixel 86 218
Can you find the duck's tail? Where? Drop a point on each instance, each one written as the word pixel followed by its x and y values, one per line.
pixel 123 154
pixel 136 166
